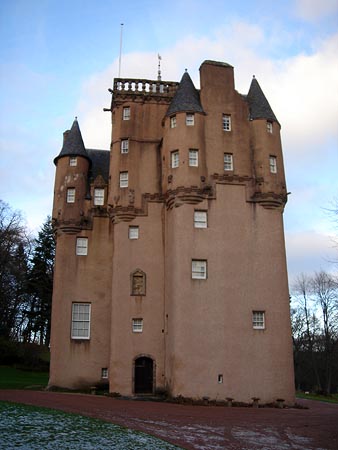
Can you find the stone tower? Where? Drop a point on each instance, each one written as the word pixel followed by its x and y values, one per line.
pixel 170 263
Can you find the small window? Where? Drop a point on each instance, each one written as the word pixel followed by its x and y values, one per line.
pixel 200 219
pixel 124 146
pixel 269 127
pixel 190 120
pixel 71 195
pixel 82 246
pixel 137 325
pixel 199 269
pixel 220 378
pixel 73 161
pixel 193 158
pixel 126 113
pixel 81 320
pixel 173 122
pixel 258 320
pixel 175 159
pixel 138 282
pixel 226 122
pixel 133 232
pixel 98 196
pixel 104 372
pixel 273 164
pixel 123 179
pixel 228 161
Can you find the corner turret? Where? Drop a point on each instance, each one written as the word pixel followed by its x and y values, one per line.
pixel 259 107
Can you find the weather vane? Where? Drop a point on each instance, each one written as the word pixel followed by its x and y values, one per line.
pixel 159 67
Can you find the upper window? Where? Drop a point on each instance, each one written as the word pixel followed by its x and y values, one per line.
pixel 198 269
pixel 137 325
pixel 273 164
pixel 258 320
pixel 226 122
pixel 269 126
pixel 82 246
pixel 71 195
pixel 200 219
pixel 193 158
pixel 124 146
pixel 133 232
pixel 98 196
pixel 123 179
pixel 228 161
pixel 73 161
pixel 190 119
pixel 81 321
pixel 173 122
pixel 126 113
pixel 175 159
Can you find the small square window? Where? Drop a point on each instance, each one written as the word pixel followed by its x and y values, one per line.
pixel 269 127
pixel 200 219
pixel 98 196
pixel 71 195
pixel 226 122
pixel 190 120
pixel 81 321
pixel 123 179
pixel 228 161
pixel 126 113
pixel 193 158
pixel 73 161
pixel 175 159
pixel 82 246
pixel 258 320
pixel 199 269
pixel 173 122
pixel 273 164
pixel 137 325
pixel 124 146
pixel 133 232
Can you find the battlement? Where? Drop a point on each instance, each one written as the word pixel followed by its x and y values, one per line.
pixel 141 87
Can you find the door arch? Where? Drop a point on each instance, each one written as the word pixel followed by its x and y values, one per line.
pixel 143 375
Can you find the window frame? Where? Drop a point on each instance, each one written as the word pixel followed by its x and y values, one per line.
pixel 199 274
pixel 104 373
pixel 81 250
pixel 198 223
pixel 269 126
pixel 124 179
pixel 173 121
pixel 193 151
pixel 72 161
pixel 71 193
pixel 124 146
pixel 131 230
pixel 228 166
pixel 258 320
pixel 175 159
pixel 100 197
pixel 137 325
pixel 126 113
pixel 273 163
pixel 226 122
pixel 190 119
pixel 74 321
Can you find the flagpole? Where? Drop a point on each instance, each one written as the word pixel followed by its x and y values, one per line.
pixel 121 33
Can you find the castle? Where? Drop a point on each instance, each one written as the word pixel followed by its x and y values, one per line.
pixel 170 271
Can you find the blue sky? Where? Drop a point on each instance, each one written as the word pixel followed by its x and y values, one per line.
pixel 58 59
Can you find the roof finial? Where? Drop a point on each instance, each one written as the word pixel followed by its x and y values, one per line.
pixel 76 118
pixel 186 69
pixel 253 76
pixel 159 78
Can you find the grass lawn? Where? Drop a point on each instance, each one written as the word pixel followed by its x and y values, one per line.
pixel 333 398
pixel 11 378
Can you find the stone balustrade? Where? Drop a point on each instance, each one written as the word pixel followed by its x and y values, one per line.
pixel 142 86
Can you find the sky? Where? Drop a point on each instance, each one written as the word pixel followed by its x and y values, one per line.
pixel 58 60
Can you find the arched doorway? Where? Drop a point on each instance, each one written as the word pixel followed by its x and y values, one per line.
pixel 144 375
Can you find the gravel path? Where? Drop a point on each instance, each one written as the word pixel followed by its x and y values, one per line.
pixel 204 427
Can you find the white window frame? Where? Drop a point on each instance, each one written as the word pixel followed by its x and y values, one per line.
pixel 273 164
pixel 193 157
pixel 73 161
pixel 104 372
pixel 226 122
pixel 98 196
pixel 137 325
pixel 126 113
pixel 173 122
pixel 175 159
pixel 269 126
pixel 71 195
pixel 200 219
pixel 133 232
pixel 228 162
pixel 258 320
pixel 82 246
pixel 190 119
pixel 81 315
pixel 199 269
pixel 124 146
pixel 124 179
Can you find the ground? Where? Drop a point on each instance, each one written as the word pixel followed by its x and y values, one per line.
pixel 204 427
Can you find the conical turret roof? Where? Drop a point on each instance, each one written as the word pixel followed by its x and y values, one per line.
pixel 258 104
pixel 186 98
pixel 73 143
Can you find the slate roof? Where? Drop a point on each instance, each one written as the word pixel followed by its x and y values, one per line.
pixel 258 105
pixel 186 98
pixel 100 164
pixel 72 143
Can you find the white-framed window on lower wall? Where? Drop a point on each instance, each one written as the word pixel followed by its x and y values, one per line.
pixel 137 325
pixel 81 246
pixel 81 320
pixel 199 269
pixel 258 320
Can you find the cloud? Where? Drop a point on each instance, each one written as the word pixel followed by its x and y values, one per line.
pixel 313 10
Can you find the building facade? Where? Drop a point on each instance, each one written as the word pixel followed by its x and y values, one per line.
pixel 170 268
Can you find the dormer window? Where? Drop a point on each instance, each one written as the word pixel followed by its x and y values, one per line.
pixel 124 145
pixel 190 120
pixel 269 127
pixel 173 122
pixel 126 113
pixel 73 161
pixel 226 122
